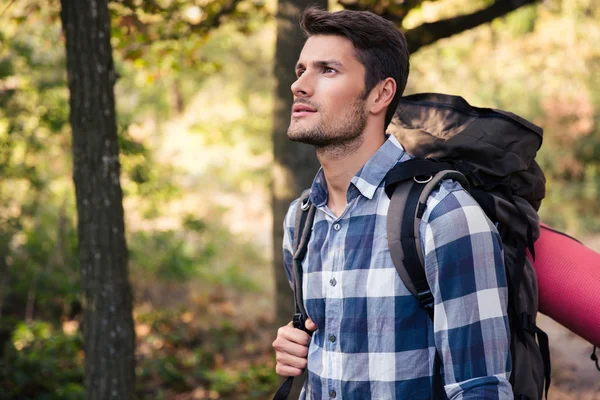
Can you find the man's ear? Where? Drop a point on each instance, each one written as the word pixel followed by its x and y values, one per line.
pixel 382 95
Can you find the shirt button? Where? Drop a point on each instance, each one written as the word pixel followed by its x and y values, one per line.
pixel 332 339
pixel 337 227
pixel 333 282
pixel 332 394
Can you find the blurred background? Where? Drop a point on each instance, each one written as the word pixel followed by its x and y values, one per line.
pixel 206 174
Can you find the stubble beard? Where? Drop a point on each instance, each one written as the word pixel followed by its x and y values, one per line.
pixel 334 139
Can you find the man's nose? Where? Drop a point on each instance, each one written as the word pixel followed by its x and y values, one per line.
pixel 302 86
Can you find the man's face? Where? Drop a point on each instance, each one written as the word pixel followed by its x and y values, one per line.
pixel 329 108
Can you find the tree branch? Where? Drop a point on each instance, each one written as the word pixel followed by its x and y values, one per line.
pixel 396 16
pixel 429 33
pixel 212 21
pixel 6 7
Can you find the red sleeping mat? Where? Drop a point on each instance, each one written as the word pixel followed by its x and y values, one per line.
pixel 569 283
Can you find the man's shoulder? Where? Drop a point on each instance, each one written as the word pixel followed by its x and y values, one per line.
pixel 290 215
pixel 451 205
pixel 449 194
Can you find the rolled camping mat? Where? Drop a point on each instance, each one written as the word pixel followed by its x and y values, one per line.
pixel 569 283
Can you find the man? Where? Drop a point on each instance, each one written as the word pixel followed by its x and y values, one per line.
pixel 371 338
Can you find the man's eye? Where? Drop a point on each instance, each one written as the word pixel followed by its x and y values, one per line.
pixel 329 70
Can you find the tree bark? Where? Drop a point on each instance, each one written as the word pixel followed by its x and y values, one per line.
pixel 109 338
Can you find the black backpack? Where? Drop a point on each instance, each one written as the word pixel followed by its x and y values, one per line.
pixel 491 153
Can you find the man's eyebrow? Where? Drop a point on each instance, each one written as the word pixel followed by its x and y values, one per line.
pixel 322 63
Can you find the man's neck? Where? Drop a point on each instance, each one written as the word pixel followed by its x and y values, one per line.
pixel 340 167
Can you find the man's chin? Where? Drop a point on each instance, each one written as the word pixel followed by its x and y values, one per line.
pixel 304 137
pixel 300 139
pixel 296 135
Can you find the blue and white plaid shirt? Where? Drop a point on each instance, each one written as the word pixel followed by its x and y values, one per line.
pixel 373 340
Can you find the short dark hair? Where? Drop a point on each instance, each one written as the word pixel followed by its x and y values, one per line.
pixel 380 46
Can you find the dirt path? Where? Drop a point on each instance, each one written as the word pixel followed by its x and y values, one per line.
pixel 574 375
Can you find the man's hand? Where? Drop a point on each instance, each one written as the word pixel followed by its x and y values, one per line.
pixel 291 349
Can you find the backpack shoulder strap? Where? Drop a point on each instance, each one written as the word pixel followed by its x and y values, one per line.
pixel 300 218
pixel 305 215
pixel 408 201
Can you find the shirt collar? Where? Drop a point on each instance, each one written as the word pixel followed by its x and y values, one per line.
pixel 369 177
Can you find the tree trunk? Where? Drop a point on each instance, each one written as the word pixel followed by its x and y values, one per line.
pixel 295 164
pixel 109 339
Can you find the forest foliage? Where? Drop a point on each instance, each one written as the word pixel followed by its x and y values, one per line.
pixel 194 104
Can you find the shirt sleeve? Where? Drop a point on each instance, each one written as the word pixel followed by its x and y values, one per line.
pixel 288 240
pixel 464 265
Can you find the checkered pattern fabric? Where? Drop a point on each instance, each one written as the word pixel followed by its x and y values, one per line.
pixel 373 340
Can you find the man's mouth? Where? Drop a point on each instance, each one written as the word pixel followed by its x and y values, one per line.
pixel 302 110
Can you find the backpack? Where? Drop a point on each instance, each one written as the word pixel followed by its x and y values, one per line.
pixel 491 153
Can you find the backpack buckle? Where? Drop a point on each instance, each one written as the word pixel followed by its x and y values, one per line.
pixel 299 323
pixel 305 204
pixel 426 299
pixel 424 180
pixel 527 323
